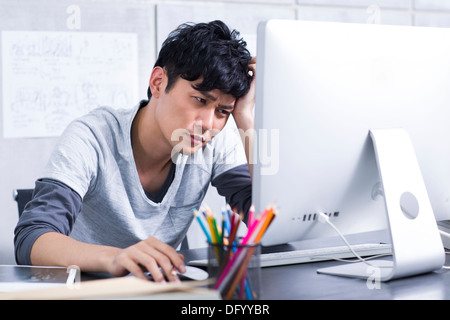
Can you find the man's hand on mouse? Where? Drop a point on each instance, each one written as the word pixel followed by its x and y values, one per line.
pixel 152 255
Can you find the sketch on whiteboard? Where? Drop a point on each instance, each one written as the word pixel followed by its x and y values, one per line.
pixel 50 78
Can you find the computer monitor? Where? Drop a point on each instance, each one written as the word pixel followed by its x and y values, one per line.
pixel 320 88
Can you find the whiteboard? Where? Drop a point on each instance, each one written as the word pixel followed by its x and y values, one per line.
pixel 50 78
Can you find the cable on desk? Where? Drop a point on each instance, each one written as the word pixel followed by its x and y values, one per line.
pixel 323 218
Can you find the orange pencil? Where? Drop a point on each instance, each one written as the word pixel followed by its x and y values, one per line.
pixel 267 221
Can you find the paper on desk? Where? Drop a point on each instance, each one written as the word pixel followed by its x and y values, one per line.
pixel 109 288
pixel 22 286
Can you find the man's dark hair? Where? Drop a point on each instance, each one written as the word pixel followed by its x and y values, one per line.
pixel 209 50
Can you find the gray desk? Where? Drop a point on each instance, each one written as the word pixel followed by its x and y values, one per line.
pixel 301 281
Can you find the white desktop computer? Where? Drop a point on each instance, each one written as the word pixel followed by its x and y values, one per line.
pixel 353 121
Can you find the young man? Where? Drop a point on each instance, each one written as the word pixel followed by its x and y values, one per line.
pixel 119 188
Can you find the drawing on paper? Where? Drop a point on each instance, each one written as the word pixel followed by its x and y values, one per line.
pixel 50 78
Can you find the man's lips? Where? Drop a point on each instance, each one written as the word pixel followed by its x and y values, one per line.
pixel 196 139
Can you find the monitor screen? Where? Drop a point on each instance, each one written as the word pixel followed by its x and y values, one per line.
pixel 320 88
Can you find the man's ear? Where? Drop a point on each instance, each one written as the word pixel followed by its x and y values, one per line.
pixel 158 81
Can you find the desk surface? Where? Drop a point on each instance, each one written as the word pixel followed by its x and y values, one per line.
pixel 301 281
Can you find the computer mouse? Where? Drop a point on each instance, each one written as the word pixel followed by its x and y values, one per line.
pixel 193 273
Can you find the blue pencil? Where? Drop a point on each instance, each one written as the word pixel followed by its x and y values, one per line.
pixel 202 225
pixel 226 221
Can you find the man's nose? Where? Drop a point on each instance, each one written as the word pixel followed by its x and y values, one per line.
pixel 206 118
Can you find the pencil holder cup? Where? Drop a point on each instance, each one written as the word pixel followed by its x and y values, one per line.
pixel 236 270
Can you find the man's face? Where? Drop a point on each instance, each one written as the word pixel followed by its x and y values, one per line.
pixel 189 118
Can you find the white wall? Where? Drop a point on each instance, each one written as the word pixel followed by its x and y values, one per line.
pixel 21 160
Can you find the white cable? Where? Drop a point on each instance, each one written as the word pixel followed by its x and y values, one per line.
pixel 323 218
pixel 320 258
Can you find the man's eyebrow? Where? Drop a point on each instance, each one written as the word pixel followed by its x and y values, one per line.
pixel 209 96
pixel 204 93
pixel 227 107
pixel 213 98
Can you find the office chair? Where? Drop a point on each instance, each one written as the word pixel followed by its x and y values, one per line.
pixel 22 197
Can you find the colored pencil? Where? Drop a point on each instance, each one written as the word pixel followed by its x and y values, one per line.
pixel 234 254
pixel 202 225
pixel 226 220
pixel 243 266
pixel 251 214
pixel 252 237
